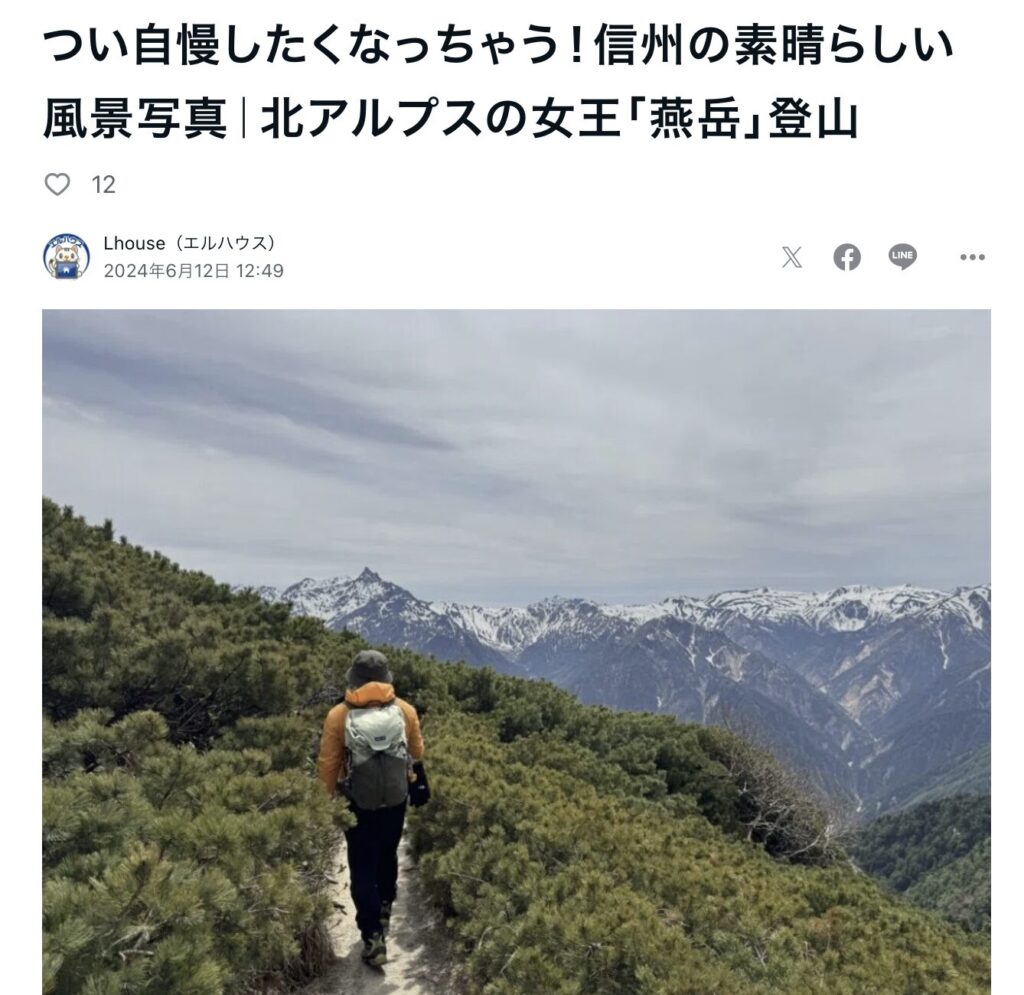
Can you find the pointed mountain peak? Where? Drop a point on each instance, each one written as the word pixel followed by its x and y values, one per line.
pixel 369 576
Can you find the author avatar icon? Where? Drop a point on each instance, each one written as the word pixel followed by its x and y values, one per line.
pixel 66 257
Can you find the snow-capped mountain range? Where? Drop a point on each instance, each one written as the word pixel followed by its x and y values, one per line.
pixel 846 609
pixel 879 692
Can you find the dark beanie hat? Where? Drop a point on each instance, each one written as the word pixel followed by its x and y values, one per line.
pixel 369 665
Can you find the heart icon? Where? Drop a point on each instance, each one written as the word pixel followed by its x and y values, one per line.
pixel 57 183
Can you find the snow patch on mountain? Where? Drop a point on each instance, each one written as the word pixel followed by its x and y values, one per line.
pixel 845 609
pixel 336 596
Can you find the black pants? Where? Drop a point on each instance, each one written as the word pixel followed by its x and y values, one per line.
pixel 373 862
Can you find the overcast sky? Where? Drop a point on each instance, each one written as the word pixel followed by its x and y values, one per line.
pixel 500 457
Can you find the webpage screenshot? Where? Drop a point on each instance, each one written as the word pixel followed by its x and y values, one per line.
pixel 515 491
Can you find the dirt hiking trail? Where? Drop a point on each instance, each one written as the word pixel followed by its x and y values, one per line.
pixel 420 957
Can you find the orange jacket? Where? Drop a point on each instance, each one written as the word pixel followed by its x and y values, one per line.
pixel 331 766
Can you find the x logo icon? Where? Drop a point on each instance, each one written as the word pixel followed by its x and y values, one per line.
pixel 791 256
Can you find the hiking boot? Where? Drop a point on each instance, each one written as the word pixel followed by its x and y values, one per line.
pixel 385 917
pixel 375 953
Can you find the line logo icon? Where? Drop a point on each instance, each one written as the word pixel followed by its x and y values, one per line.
pixel 903 255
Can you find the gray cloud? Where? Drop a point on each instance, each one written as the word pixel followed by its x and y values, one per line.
pixel 502 456
pixel 136 381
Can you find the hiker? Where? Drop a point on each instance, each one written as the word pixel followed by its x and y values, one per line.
pixel 371 751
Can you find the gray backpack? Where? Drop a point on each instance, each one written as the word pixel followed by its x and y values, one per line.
pixel 377 755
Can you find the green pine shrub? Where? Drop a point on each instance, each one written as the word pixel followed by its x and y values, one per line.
pixel 552 884
pixel 185 846
pixel 169 869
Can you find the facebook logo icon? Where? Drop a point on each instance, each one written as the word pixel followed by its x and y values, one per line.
pixel 847 257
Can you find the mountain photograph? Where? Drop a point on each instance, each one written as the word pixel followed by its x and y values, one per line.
pixel 693 608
